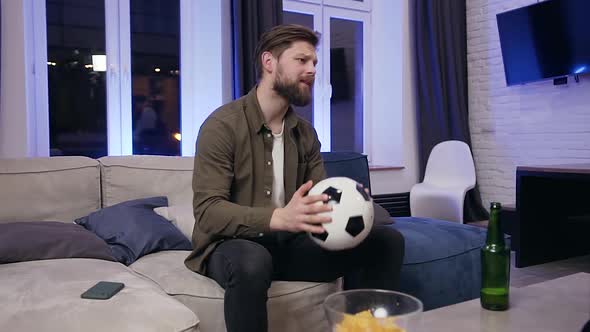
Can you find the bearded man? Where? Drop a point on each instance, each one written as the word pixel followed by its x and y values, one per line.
pixel 255 162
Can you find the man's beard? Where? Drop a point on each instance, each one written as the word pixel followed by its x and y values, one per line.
pixel 292 92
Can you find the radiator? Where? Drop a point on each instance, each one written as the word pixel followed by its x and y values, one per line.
pixel 398 205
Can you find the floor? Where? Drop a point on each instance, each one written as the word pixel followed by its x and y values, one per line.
pixel 520 277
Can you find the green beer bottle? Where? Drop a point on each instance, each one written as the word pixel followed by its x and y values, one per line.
pixel 495 265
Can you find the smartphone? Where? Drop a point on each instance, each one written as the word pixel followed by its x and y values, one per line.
pixel 103 290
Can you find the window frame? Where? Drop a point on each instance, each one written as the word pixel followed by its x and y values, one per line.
pixel 345 14
pixel 322 13
pixel 364 5
pixel 203 24
pixel 35 26
pixel 118 53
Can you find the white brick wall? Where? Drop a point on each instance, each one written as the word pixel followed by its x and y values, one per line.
pixel 533 124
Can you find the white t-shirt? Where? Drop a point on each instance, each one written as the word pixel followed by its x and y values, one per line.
pixel 278 161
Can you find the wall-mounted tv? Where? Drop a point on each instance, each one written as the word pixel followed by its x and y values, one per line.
pixel 545 40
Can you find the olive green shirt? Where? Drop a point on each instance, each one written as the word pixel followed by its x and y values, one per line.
pixel 232 179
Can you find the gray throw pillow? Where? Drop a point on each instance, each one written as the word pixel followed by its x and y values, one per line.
pixel 381 217
pixel 38 240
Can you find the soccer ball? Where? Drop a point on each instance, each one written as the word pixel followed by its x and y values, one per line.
pixel 352 213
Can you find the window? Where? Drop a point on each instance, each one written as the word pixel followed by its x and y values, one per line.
pixel 155 82
pixel 346 77
pixel 338 112
pixel 82 120
pixel 355 107
pixel 76 82
pixel 123 75
pixel 362 112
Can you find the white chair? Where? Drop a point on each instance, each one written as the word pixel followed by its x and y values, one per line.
pixel 450 173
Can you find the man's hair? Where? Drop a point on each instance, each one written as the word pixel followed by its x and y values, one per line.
pixel 280 38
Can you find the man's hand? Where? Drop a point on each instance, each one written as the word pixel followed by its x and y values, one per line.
pixel 301 214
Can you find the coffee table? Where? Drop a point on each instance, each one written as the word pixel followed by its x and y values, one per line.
pixel 561 304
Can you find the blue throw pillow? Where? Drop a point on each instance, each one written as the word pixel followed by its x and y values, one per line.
pixel 132 229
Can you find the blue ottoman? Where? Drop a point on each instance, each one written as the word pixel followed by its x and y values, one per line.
pixel 442 263
pixel 442 260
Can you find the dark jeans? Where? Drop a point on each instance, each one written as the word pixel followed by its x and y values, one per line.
pixel 246 267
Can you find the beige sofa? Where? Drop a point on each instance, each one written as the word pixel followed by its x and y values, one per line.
pixel 161 294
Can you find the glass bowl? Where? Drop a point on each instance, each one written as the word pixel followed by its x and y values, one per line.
pixel 373 310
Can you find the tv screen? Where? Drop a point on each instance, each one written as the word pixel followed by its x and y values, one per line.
pixel 545 40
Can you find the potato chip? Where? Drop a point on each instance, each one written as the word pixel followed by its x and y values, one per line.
pixel 364 321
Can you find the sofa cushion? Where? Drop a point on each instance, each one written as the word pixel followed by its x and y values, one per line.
pixel 298 302
pixel 131 177
pixel 45 296
pixel 28 241
pixel 132 229
pixel 442 260
pixel 36 189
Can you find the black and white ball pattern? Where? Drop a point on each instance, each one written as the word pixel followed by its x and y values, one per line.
pixel 352 213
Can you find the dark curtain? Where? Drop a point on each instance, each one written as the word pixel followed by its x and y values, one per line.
pixel 250 18
pixel 441 83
